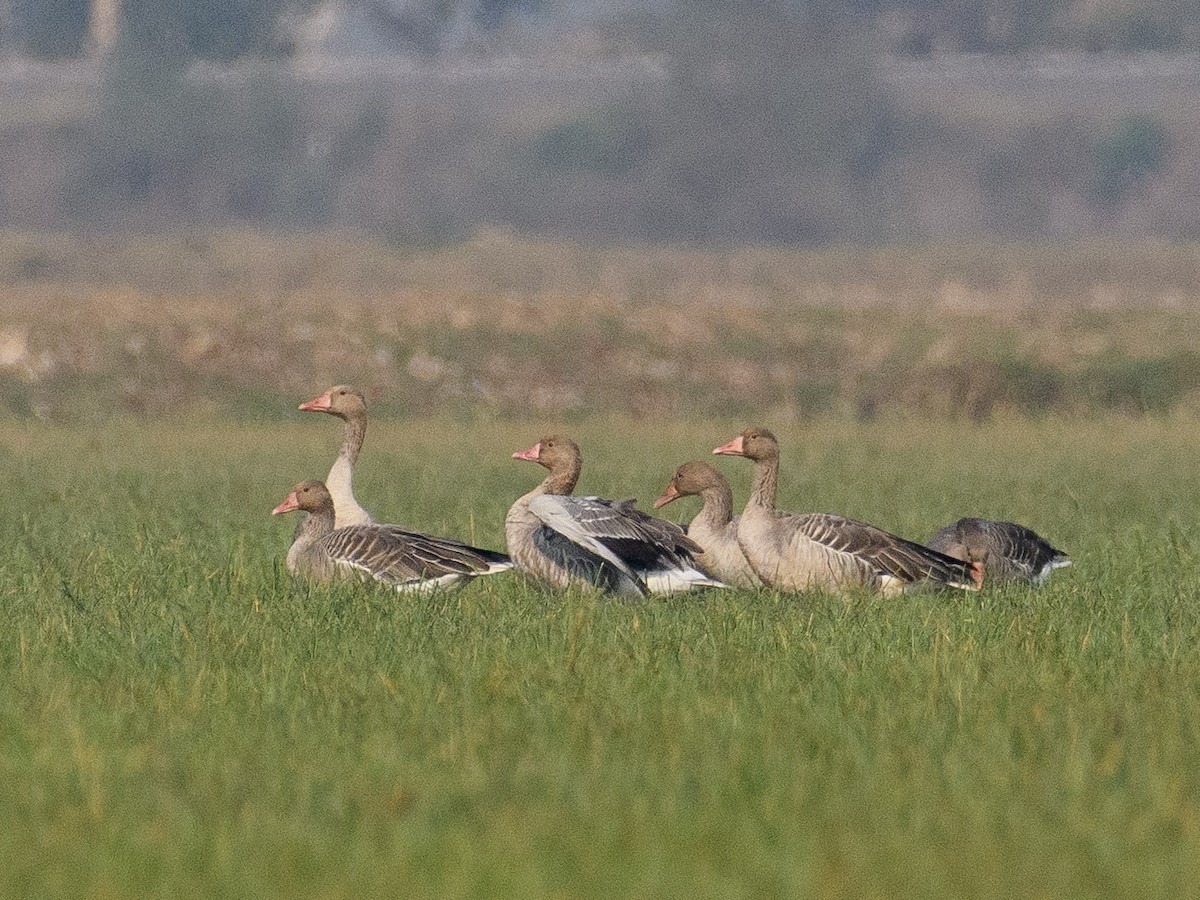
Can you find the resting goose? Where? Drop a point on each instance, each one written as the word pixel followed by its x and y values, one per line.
pixel 404 560
pixel 820 550
pixel 350 406
pixel 1005 550
pixel 589 541
pixel 715 527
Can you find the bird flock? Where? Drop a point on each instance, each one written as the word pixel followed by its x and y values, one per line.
pixel 562 540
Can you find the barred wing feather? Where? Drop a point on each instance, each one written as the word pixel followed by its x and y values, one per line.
pixel 889 555
pixel 1009 550
pixel 410 559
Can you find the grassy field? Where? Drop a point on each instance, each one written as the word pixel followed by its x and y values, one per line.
pixel 177 716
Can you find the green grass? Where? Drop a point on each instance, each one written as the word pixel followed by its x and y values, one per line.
pixel 177 716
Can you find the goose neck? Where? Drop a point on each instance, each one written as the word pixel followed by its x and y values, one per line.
pixel 561 480
pixel 353 436
pixel 718 505
pixel 766 483
pixel 313 527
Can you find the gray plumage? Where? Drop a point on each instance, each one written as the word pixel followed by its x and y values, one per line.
pixel 798 551
pixel 1006 550
pixel 402 559
pixel 874 556
pixel 590 541
pixel 652 555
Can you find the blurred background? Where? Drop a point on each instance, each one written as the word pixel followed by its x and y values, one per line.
pixel 954 207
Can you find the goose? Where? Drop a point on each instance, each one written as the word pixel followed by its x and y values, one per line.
pixel 715 527
pixel 821 550
pixel 1005 550
pixel 405 560
pixel 350 406
pixel 589 541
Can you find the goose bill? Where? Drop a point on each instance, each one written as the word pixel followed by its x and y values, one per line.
pixel 531 454
pixel 733 448
pixel 669 494
pixel 317 404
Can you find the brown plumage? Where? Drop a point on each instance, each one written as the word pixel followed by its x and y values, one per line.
pixel 715 526
pixel 827 551
pixel 405 560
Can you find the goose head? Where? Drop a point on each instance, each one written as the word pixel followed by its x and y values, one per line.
pixel 341 400
pixel 553 452
pixel 690 479
pixel 309 496
pixel 753 443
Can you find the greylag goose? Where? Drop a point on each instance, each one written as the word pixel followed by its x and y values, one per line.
pixel 1005 550
pixel 820 550
pixel 589 541
pixel 715 527
pixel 404 560
pixel 350 406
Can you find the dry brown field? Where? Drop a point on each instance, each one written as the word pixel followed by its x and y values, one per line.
pixel 241 323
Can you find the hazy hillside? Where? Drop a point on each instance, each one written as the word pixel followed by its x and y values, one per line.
pixel 698 123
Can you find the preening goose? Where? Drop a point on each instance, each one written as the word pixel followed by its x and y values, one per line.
pixel 1005 550
pixel 404 560
pixel 350 406
pixel 607 544
pixel 715 527
pixel 821 550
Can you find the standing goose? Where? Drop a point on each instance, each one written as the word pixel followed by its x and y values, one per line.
pixel 1005 550
pixel 350 406
pixel 715 527
pixel 607 544
pixel 404 560
pixel 820 550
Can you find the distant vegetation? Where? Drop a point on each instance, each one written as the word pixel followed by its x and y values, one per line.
pixel 245 324
pixel 222 29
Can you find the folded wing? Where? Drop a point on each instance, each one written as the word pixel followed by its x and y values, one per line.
pixel 891 557
pixel 1006 549
pixel 410 560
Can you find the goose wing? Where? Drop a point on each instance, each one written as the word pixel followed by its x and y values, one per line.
pixel 410 559
pixel 886 553
pixel 1025 547
pixel 592 568
pixel 1007 549
pixel 651 552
